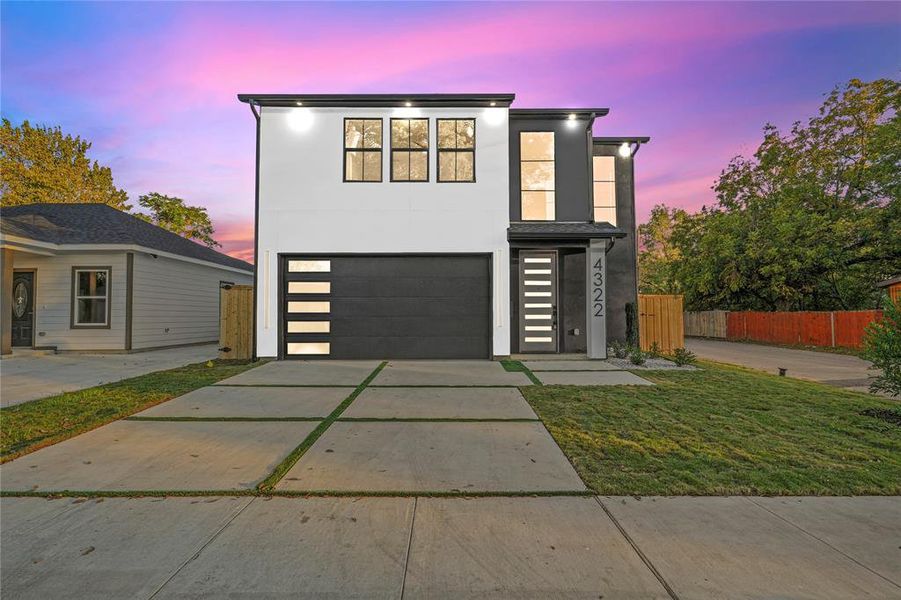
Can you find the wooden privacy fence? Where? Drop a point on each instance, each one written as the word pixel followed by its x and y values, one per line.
pixel 706 323
pixel 660 322
pixel 844 329
pixel 236 322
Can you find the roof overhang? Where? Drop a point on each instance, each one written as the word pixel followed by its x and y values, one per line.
pixel 615 141
pixel 30 246
pixel 378 100
pixel 562 231
pixel 889 282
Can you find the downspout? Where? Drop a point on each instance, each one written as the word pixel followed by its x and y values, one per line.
pixel 256 231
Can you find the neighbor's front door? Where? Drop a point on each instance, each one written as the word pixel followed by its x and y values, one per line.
pixel 23 309
pixel 537 301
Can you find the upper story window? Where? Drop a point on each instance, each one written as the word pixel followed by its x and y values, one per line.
pixel 456 150
pixel 409 149
pixel 604 182
pixel 536 175
pixel 90 297
pixel 362 149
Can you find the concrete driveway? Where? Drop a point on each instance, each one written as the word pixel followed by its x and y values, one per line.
pixel 839 370
pixel 417 480
pixel 28 375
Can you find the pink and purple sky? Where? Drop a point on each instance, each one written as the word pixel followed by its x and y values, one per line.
pixel 153 85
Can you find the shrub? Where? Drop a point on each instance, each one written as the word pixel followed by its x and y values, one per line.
pixel 882 346
pixel 654 351
pixel 636 356
pixel 620 350
pixel 683 356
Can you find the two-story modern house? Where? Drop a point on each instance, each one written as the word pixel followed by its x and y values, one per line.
pixel 438 226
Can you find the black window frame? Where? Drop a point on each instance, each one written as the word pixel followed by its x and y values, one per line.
pixel 456 150
pixel 409 149
pixel 594 180
pixel 73 301
pixel 552 160
pixel 363 150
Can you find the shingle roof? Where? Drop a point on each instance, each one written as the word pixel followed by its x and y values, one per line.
pixel 532 230
pixel 889 282
pixel 101 224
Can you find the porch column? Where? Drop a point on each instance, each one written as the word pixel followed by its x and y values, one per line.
pixel 6 296
pixel 596 295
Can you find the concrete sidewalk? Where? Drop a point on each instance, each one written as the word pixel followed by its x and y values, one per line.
pixel 839 370
pixel 555 547
pixel 29 375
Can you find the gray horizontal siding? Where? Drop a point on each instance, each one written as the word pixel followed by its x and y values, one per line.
pixel 176 302
pixel 53 295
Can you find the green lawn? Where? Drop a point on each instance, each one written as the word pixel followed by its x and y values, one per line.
pixel 33 425
pixel 723 430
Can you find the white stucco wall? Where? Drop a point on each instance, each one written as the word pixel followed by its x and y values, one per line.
pixel 305 207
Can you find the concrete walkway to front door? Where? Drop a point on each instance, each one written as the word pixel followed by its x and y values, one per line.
pixel 406 480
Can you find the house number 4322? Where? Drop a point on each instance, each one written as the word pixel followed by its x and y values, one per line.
pixel 597 287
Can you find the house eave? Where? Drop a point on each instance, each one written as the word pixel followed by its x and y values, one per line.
pixel 379 100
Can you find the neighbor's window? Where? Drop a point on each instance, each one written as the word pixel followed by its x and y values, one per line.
pixel 362 149
pixel 604 189
pixel 409 149
pixel 456 150
pixel 536 171
pixel 90 302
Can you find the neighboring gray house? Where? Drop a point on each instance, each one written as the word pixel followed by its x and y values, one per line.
pixel 88 277
pixel 439 226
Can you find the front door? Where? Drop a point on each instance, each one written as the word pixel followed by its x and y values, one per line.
pixel 537 301
pixel 23 308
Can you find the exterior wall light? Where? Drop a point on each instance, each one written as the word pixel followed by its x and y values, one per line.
pixel 625 150
pixel 572 116
pixel 493 104
pixel 300 119
pixel 408 104
pixel 299 103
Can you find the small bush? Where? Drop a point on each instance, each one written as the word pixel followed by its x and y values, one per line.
pixel 882 346
pixel 619 349
pixel 654 351
pixel 683 356
pixel 636 356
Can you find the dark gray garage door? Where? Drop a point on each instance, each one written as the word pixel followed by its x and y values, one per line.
pixel 386 306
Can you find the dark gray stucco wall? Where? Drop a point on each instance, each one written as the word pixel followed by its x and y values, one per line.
pixel 622 260
pixel 571 165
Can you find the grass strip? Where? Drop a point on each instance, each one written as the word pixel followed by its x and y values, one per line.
pixel 293 494
pixel 515 366
pixel 437 420
pixel 218 419
pixel 33 425
pixel 283 467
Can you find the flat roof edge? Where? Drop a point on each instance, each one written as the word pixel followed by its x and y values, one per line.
pixel 378 100
pixel 621 139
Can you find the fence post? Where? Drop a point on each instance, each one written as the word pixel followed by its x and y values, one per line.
pixel 832 326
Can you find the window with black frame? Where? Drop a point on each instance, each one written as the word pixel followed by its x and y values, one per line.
pixel 456 150
pixel 409 149
pixel 363 150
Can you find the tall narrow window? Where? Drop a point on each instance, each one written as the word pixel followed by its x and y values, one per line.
pixel 537 179
pixel 604 182
pixel 90 296
pixel 362 149
pixel 409 149
pixel 456 150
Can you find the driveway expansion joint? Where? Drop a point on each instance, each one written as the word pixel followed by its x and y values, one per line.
pixel 638 551
pixel 403 583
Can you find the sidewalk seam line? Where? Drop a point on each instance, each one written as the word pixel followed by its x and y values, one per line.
pixel 821 540
pixel 201 549
pixel 403 583
pixel 638 551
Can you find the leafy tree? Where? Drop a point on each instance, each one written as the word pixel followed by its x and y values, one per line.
pixel 41 164
pixel 171 213
pixel 659 256
pixel 882 345
pixel 811 221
